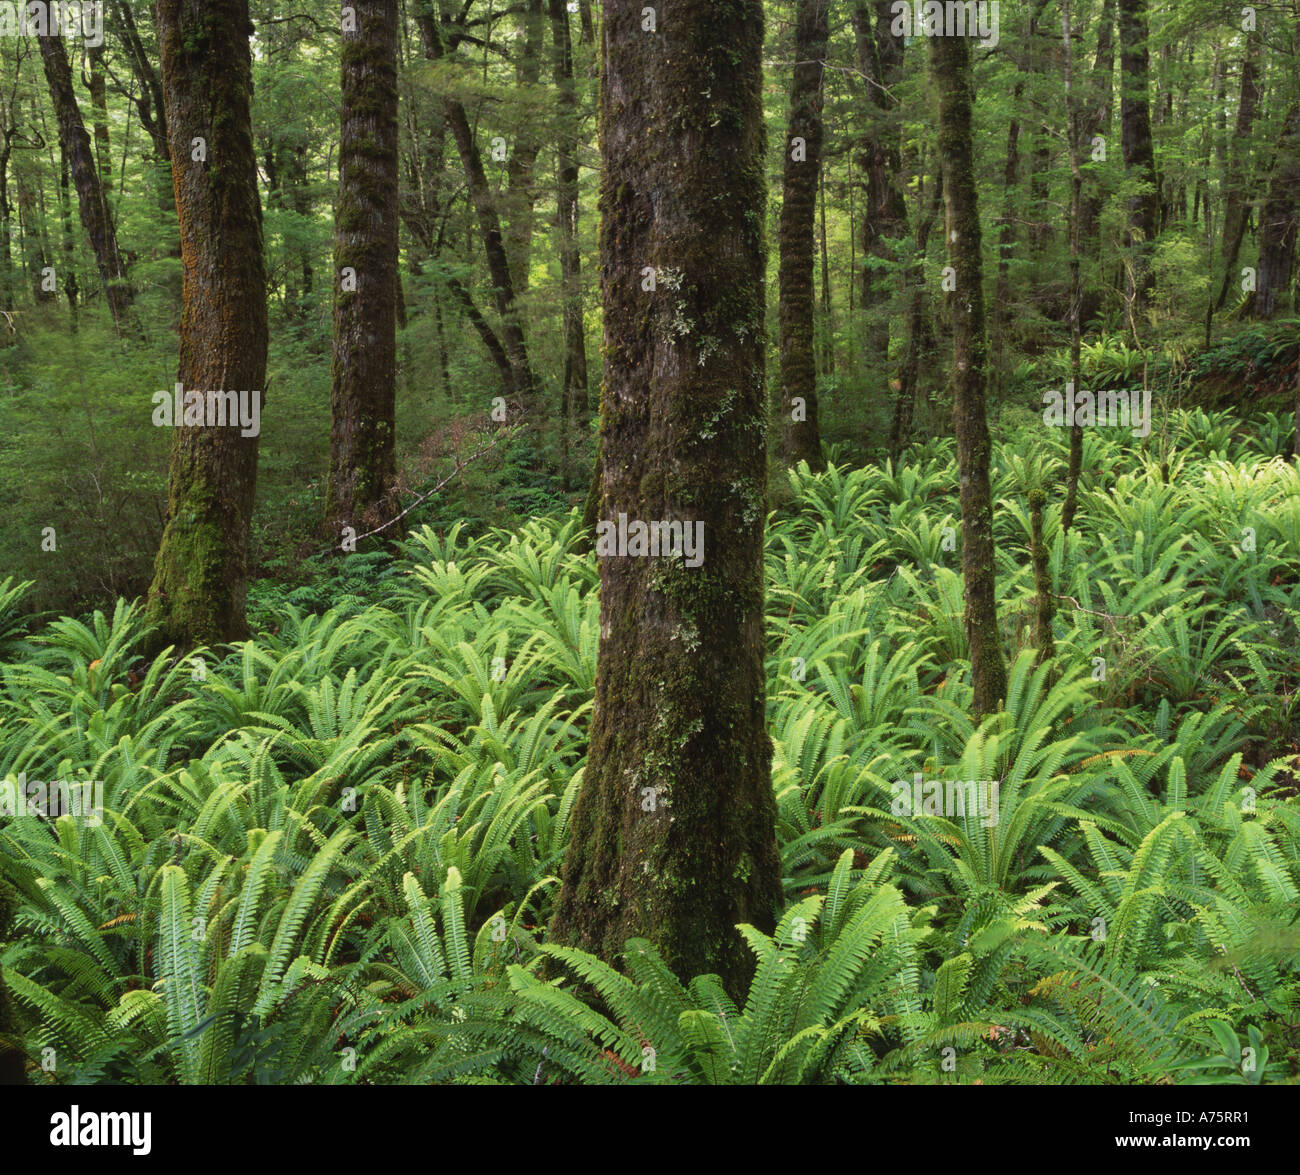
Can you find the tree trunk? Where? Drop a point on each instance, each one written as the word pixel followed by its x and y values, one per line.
pixel 152 112
pixel 951 76
pixel 1139 157
pixel 148 98
pixel 363 398
pixel 99 104
pixel 512 329
pixel 1075 467
pixel 95 215
pixel 1006 237
pixel 1235 206
pixel 828 316
pixel 521 195
pixel 1007 232
pixel 674 830
pixel 1277 224
pixel 1097 122
pixel 879 57
pixel 574 392
pixel 800 435
pixel 201 573
pixel 6 220
pixel 69 282
pixel 920 335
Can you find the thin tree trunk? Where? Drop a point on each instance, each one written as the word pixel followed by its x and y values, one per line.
pixel 674 830
pixel 828 320
pixel 363 400
pixel 95 215
pixel 951 77
pixel 1007 231
pixel 201 573
pixel 1076 303
pixel 521 194
pixel 69 282
pixel 498 262
pixel 1139 157
pixel 920 335
pixel 99 104
pixel 879 57
pixel 1097 123
pixel 1235 205
pixel 800 434
pixel 566 210
pixel 152 112
pixel 1006 240
pixel 1038 556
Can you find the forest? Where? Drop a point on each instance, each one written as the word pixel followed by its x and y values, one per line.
pixel 649 542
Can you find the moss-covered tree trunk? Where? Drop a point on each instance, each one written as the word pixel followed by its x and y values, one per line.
pixel 363 397
pixel 1139 156
pixel 1277 223
pixel 201 573
pixel 800 435
pixel 951 75
pixel 673 834
pixel 96 218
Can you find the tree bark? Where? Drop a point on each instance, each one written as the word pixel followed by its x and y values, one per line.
pixel 96 218
pixel 97 87
pixel 1075 467
pixel 1139 156
pixel 201 573
pixel 363 399
pixel 1097 122
pixel 828 315
pixel 920 334
pixel 951 75
pixel 1277 224
pixel 521 194
pixel 1235 206
pixel 574 392
pixel 498 262
pixel 149 103
pixel 673 833
pixel 800 433
pixel 879 57
pixel 69 282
